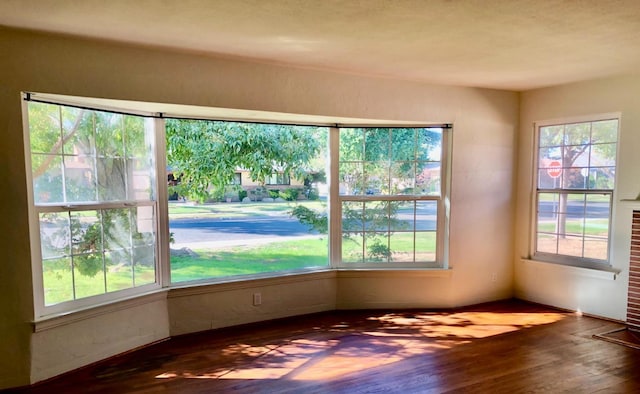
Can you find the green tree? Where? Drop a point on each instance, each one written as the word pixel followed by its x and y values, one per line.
pixel 206 154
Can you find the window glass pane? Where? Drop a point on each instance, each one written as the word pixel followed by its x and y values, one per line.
pixel 602 178
pixel 143 265
pixel 575 178
pixel 548 205
pixel 549 155
pixel 429 144
pixel 428 178
pixel 88 274
pixel 47 179
pixel 426 215
pixel 577 134
pixel 352 248
pixel 603 155
pixel 376 179
pixel 403 145
pixel 596 248
pixel 402 216
pixel 551 135
pixel 377 145
pixel 403 178
pixel 55 239
pixel 426 246
pixel 109 134
pixel 401 245
pixel 351 144
pixel 376 216
pixel 79 179
pixel 570 245
pixel 550 178
pixel 377 248
pixel 547 243
pixel 353 216
pixel 598 206
pixel 117 228
pixel 57 280
pixel 604 131
pixel 576 156
pixel 79 131
pixel 143 231
pixel 111 179
pixel 86 232
pixel 352 180
pixel 119 271
pixel 137 142
pixel 44 128
pixel 141 179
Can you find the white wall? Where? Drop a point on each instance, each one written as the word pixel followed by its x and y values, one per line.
pixel 573 288
pixel 485 127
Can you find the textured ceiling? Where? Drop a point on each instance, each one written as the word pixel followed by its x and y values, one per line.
pixel 503 44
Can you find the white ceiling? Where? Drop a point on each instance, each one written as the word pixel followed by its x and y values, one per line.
pixel 503 44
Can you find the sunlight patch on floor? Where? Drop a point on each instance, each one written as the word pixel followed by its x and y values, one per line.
pixel 397 337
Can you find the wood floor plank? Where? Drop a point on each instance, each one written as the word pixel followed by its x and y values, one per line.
pixel 502 347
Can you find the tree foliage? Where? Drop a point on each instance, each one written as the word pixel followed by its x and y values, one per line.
pixel 206 154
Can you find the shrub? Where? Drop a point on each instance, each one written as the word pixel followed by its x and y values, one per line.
pixel 275 193
pixel 242 194
pixel 290 194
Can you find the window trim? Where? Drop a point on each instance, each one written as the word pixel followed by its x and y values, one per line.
pixel 552 258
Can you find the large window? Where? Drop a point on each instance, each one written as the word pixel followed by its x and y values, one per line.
pixel 576 165
pixel 392 197
pixel 93 182
pixel 221 229
pixel 362 198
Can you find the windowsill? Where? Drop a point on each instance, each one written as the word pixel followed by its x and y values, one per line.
pixel 69 317
pixel 386 273
pixel 607 273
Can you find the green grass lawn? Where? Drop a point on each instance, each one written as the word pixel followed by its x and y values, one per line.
pixel 591 227
pixel 59 281
pixel 278 256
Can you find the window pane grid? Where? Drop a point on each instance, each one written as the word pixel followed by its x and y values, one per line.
pixel 93 182
pixel 408 183
pixel 575 180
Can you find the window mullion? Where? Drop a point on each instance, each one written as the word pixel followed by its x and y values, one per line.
pixel 335 200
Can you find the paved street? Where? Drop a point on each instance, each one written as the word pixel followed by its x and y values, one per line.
pixel 216 232
pixel 194 232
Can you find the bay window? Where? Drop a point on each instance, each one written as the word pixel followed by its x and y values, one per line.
pixel 369 197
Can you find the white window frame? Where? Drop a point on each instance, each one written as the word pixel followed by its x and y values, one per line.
pixel 535 191
pixel 442 225
pixel 41 310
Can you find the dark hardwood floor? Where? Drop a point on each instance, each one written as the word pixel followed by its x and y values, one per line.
pixel 502 347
